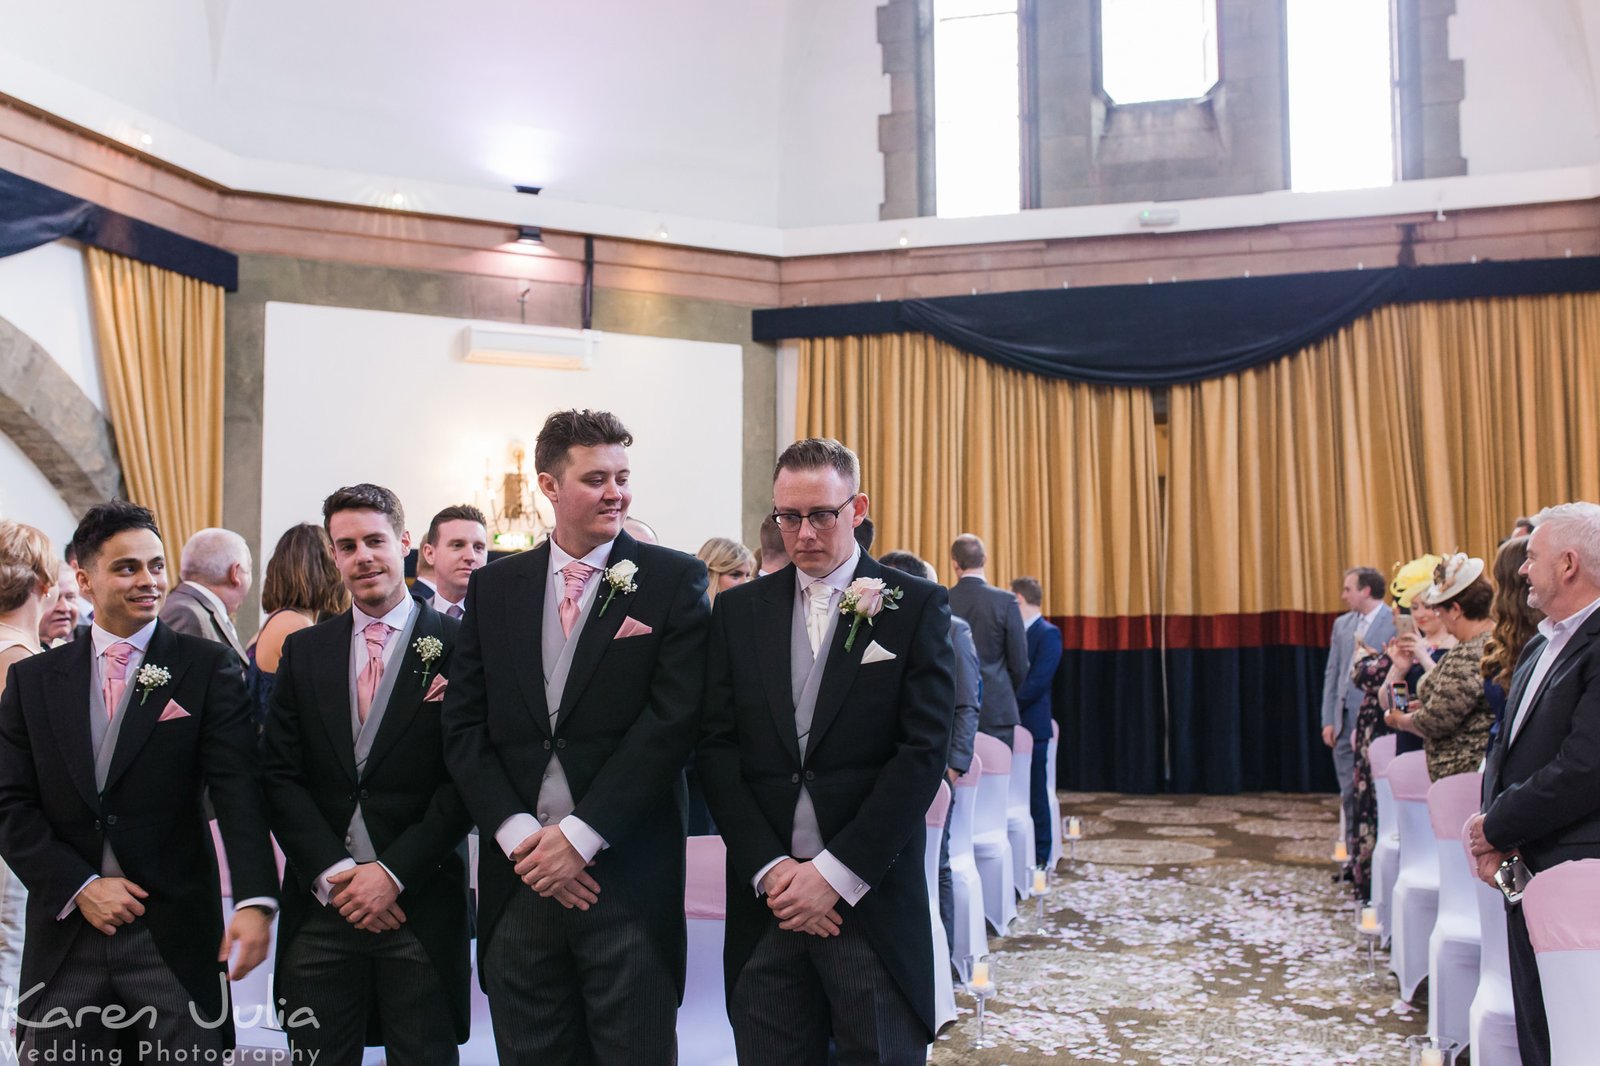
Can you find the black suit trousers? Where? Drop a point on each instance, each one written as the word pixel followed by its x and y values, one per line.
pixel 1533 1030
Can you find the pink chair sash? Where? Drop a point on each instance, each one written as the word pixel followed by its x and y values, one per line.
pixel 970 778
pixel 1562 906
pixel 939 807
pixel 705 889
pixel 1408 777
pixel 1380 753
pixel 1451 801
pixel 1022 743
pixel 994 753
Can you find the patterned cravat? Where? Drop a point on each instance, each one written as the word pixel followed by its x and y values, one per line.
pixel 116 676
pixel 576 575
pixel 377 638
pixel 454 610
pixel 817 614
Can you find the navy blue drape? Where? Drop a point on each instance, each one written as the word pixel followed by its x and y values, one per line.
pixel 32 214
pixel 1154 335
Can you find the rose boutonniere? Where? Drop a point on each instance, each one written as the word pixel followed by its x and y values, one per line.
pixel 619 578
pixel 149 678
pixel 428 649
pixel 864 600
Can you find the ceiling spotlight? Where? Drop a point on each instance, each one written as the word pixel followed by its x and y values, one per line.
pixel 530 235
pixel 146 139
pixel 531 190
pixel 397 199
pixel 661 232
pixel 905 239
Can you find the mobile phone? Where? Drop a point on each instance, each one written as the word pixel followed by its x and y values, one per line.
pixel 1405 626
pixel 1402 695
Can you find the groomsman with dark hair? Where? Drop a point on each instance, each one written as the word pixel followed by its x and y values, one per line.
pixel 829 697
pixel 374 937
pixel 455 546
pixel 572 709
pixel 107 745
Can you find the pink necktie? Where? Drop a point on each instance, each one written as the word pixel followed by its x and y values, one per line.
pixel 116 676
pixel 576 575
pixel 377 635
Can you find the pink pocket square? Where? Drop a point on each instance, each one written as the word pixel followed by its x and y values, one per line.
pixel 632 627
pixel 436 688
pixel 172 712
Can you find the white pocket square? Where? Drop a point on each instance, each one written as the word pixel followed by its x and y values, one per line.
pixel 877 653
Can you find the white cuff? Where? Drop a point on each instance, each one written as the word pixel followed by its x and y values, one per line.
pixel 755 882
pixel 850 887
pixel 72 904
pixel 584 840
pixel 515 830
pixel 265 902
pixel 322 888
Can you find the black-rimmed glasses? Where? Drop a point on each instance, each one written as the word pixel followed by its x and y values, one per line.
pixel 821 521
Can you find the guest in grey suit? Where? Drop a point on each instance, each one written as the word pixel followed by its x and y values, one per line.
pixel 1368 623
pixel 215 569
pixel 998 632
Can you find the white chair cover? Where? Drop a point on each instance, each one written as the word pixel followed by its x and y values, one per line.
pixel 704 1034
pixel 991 843
pixel 944 996
pixel 1562 906
pixel 1492 1025
pixel 1019 813
pixel 1453 949
pixel 1416 889
pixel 971 939
pixel 1058 846
pixel 1386 849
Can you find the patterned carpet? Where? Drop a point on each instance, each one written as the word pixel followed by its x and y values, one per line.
pixel 1190 930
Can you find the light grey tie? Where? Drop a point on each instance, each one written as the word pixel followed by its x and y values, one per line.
pixel 817 614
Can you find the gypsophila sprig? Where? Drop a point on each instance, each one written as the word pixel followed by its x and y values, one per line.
pixel 428 649
pixel 864 600
pixel 619 578
pixel 149 678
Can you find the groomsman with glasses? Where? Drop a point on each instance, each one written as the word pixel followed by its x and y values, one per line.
pixel 829 698
pixel 572 709
pixel 373 938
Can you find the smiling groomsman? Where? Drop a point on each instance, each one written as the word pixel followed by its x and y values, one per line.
pixel 830 692
pixel 572 708
pixel 106 746
pixel 374 932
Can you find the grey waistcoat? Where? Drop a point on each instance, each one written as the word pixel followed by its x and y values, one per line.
pixel 103 736
pixel 356 837
pixel 805 680
pixel 555 795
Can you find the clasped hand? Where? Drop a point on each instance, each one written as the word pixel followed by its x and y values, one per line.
pixel 365 896
pixel 801 898
pixel 1485 855
pixel 549 864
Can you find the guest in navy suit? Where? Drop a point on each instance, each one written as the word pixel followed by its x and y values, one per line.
pixel 1033 704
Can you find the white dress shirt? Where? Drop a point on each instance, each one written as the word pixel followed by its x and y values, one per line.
pixel 519 827
pixel 140 641
pixel 1557 636
pixel 443 605
pixel 323 888
pixel 840 877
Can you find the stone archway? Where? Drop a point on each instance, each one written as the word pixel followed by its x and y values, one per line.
pixel 55 424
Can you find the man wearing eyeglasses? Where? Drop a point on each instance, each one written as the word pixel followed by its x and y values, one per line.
pixel 823 742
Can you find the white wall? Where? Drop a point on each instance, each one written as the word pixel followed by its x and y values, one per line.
pixel 44 292
pixel 377 396
pixel 1532 100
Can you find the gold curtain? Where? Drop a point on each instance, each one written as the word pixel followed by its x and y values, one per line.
pixel 1421 427
pixel 161 352
pixel 1058 478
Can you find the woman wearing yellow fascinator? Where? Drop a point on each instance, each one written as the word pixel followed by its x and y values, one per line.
pixel 1372 675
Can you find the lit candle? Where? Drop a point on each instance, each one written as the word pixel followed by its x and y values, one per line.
pixel 1369 918
pixel 1431 1056
pixel 980 975
pixel 1074 828
pixel 1038 882
pixel 1340 852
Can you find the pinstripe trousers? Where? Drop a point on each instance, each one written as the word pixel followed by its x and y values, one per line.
pixel 798 990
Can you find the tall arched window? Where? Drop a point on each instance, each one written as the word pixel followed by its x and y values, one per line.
pixel 1341 95
pixel 1157 49
pixel 977 108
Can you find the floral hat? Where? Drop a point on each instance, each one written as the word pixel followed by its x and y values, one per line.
pixel 1413 578
pixel 1453 576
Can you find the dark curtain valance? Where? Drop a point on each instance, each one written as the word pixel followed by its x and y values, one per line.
pixel 1168 334
pixel 32 214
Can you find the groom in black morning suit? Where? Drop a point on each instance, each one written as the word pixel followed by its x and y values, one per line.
pixel 572 708
pixel 106 745
pixel 374 936
pixel 819 762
